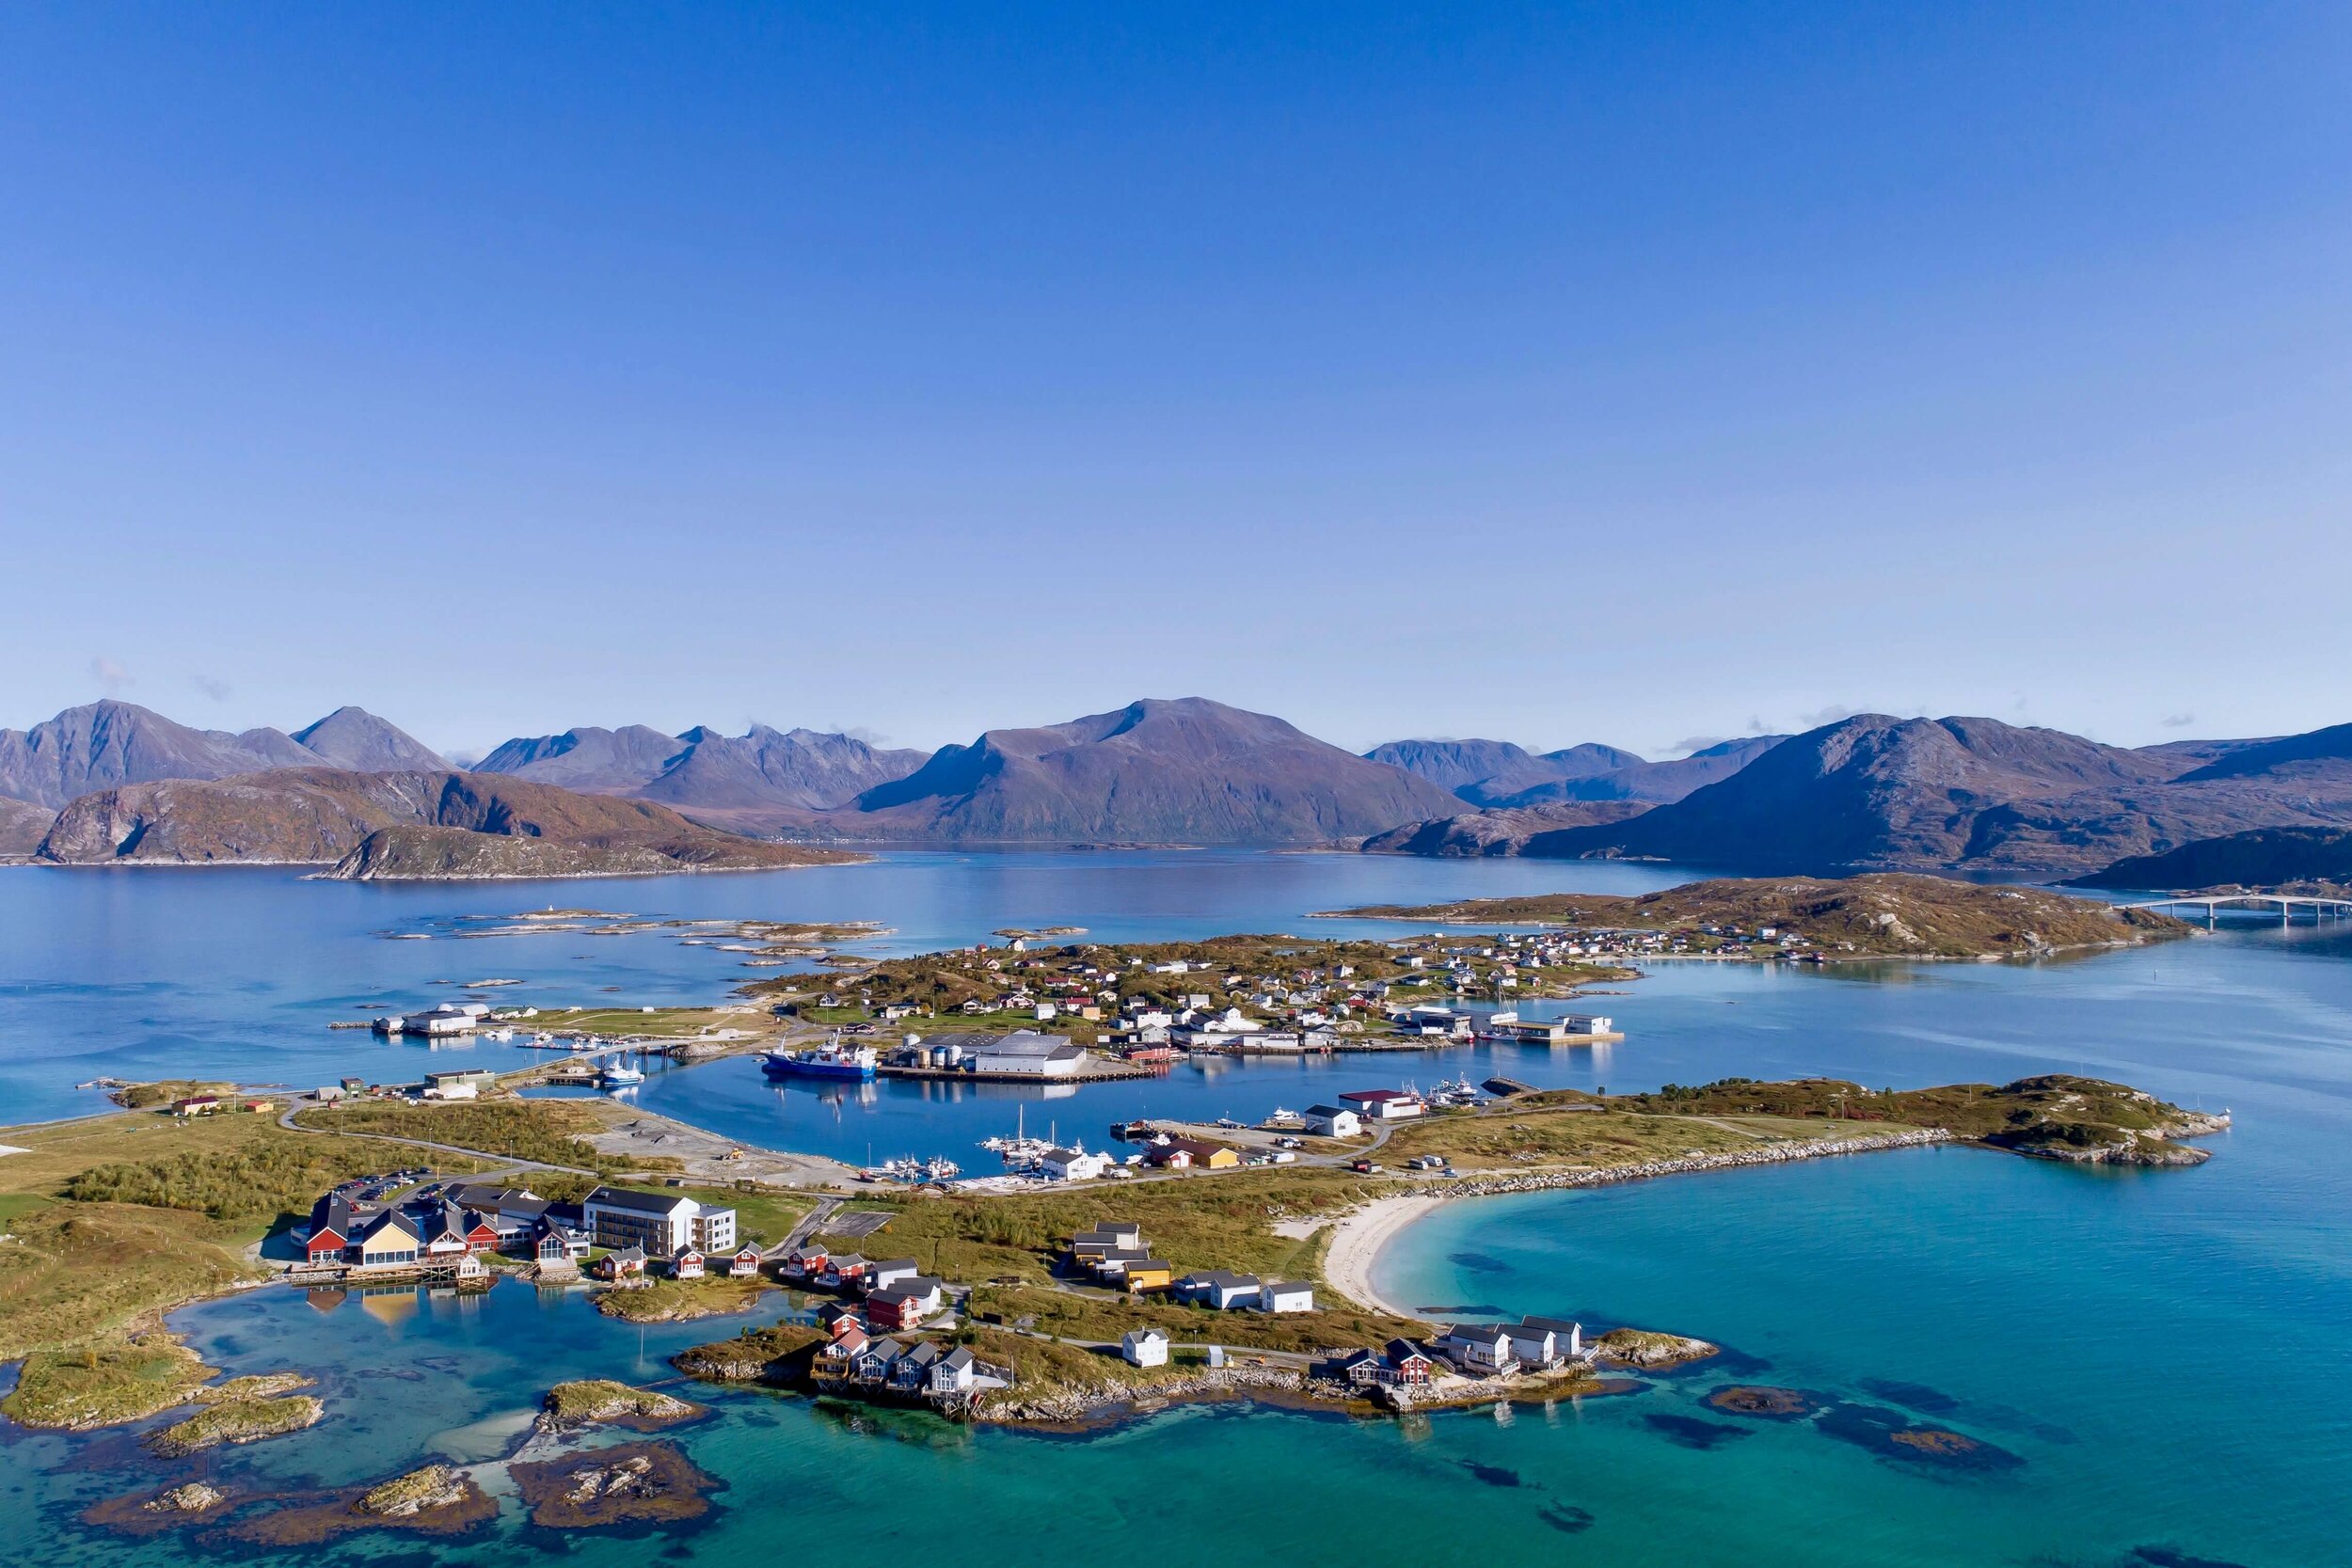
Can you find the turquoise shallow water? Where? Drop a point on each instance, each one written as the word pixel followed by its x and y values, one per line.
pixel 2159 1354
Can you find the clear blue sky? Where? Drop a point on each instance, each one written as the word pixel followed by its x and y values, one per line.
pixel 1637 373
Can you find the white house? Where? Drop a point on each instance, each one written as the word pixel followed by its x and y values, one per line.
pixel 1144 1347
pixel 894 1271
pixel 1478 1347
pixel 954 1372
pixel 1332 1122
pixel 1073 1165
pixel 1286 1296
pixel 1567 1337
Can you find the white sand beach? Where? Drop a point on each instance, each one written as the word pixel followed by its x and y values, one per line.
pixel 1357 1241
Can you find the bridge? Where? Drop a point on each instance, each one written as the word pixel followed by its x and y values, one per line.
pixel 2286 904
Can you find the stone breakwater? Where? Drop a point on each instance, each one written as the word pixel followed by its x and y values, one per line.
pixel 1773 1155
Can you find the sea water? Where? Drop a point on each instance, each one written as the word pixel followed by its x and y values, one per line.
pixel 2151 1364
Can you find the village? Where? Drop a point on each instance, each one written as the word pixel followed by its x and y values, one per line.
pixel 890 1333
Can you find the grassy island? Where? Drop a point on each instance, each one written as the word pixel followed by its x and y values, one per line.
pixel 1879 915
pixel 595 1402
pixel 239 1420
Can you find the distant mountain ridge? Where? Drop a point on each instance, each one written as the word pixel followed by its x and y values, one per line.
pixel 107 743
pixel 1496 773
pixel 1878 792
pixel 435 820
pixel 1183 770
pixel 765 777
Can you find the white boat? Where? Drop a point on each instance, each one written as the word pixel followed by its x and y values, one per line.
pixel 618 1075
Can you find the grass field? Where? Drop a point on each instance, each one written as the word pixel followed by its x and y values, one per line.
pixel 661 1023
pixel 550 1132
pixel 1551 1135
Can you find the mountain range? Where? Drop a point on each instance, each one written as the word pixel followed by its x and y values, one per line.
pixel 1869 792
pixel 1876 792
pixel 107 743
pixel 763 779
pixel 1499 774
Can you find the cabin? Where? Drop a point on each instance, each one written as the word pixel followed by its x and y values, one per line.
pixel 838 1356
pixel 622 1263
pixel 905 1304
pixel 195 1105
pixel 1286 1296
pixel 1114 1233
pixel 1147 1274
pixel 1403 1362
pixel 873 1363
pixel 326 1245
pixel 805 1263
pixel 688 1264
pixel 955 1372
pixel 1567 1337
pixel 744 1264
pixel 912 1372
pixel 1143 1347
pixel 1355 1368
pixel 1219 1288
pixel 386 1241
pixel 842 1272
pixel 1480 1348
pixel 552 1247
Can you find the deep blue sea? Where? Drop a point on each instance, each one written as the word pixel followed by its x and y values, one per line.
pixel 2152 1364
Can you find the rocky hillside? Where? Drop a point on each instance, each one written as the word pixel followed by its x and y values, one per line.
pixel 109 743
pixel 1184 772
pixel 1510 832
pixel 2266 858
pixel 23 826
pixel 1887 914
pixel 440 823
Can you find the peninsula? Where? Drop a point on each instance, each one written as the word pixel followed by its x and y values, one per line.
pixel 1885 914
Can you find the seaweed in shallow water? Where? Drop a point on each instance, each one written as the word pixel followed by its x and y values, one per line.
pixel 1478 1262
pixel 1692 1432
pixel 1914 1395
pixel 2168 1556
pixel 1493 1475
pixel 1566 1518
pixel 1891 1435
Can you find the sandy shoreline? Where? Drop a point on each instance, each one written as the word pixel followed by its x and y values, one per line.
pixel 1360 1235
pixel 1357 1238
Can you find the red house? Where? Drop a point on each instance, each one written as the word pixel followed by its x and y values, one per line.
pixel 744 1264
pixel 481 1235
pixel 327 1246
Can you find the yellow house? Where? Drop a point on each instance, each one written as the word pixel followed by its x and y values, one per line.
pixel 1150 1274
